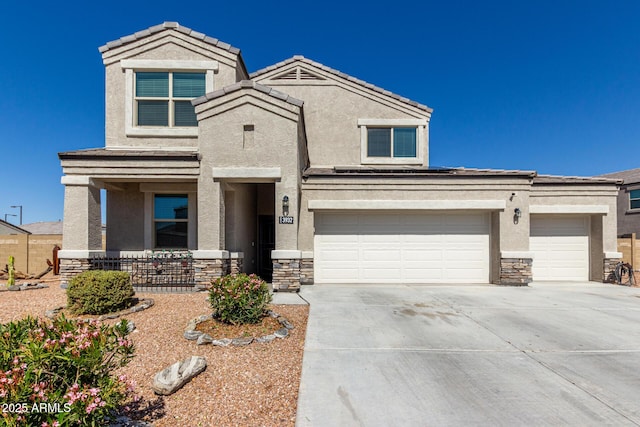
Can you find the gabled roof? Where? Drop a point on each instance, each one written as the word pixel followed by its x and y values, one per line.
pixel 630 176
pixel 247 84
pixel 8 225
pixel 302 59
pixel 44 227
pixel 168 26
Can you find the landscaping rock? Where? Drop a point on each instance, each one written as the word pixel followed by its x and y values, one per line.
pixel 130 326
pixel 223 342
pixel 266 338
pixel 170 379
pixel 192 335
pixel 64 285
pixel 281 333
pixel 240 342
pixel 204 339
pixel 284 322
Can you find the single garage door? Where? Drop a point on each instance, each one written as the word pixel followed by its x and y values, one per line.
pixel 401 248
pixel 560 246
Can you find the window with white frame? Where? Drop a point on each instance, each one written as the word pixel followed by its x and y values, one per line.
pixel 634 199
pixel 164 98
pixel 392 141
pixel 171 220
pixel 158 95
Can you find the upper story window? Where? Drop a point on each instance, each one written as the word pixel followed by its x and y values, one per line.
pixel 158 95
pixel 634 199
pixel 397 141
pixel 164 98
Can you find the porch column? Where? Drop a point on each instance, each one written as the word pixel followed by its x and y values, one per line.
pixel 211 210
pixel 287 259
pixel 82 226
pixel 211 260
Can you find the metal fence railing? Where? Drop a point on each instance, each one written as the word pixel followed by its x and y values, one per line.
pixel 165 271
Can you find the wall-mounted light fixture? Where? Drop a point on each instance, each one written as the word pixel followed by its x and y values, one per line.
pixel 517 213
pixel 285 206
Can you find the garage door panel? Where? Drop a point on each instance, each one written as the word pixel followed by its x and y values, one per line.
pixel 560 246
pixel 407 247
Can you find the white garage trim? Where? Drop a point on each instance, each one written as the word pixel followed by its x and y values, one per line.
pixel 407 205
pixel 569 209
pixel 560 244
pixel 401 247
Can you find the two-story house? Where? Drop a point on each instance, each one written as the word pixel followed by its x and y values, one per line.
pixel 301 173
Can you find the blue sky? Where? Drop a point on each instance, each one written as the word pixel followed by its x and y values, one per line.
pixel 552 86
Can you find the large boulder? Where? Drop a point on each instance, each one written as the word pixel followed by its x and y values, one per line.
pixel 170 379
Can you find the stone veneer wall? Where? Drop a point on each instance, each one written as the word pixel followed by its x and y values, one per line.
pixel 286 275
pixel 236 265
pixel 306 271
pixel 515 271
pixel 70 267
pixel 208 269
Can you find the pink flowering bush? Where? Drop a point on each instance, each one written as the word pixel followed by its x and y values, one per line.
pixel 239 298
pixel 61 373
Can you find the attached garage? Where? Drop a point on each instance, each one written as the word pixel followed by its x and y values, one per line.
pixel 560 246
pixel 384 247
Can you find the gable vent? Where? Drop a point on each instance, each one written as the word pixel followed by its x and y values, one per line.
pixel 289 75
pixel 297 74
pixel 305 75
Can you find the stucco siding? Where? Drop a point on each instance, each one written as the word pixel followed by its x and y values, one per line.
pixel 125 219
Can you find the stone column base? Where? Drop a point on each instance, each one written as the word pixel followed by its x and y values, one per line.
pixel 70 267
pixel 515 271
pixel 207 270
pixel 236 263
pixel 290 273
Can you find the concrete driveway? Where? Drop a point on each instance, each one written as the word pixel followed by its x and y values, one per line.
pixel 547 354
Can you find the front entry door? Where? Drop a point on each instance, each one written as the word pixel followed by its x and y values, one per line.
pixel 266 243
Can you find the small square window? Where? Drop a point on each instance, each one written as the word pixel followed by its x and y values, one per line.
pixel 634 199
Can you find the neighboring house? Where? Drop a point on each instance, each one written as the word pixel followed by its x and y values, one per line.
pixel 628 201
pixel 30 244
pixel 303 174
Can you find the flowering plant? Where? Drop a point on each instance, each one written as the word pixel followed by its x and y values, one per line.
pixel 62 373
pixel 239 298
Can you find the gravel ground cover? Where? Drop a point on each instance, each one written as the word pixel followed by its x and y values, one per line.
pixel 256 385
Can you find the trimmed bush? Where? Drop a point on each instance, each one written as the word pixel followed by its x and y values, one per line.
pixel 62 373
pixel 99 292
pixel 239 298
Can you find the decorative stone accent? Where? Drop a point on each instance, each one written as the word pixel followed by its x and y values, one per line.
pixel 24 287
pixel 236 263
pixel 515 271
pixel 170 379
pixel 191 334
pixel 286 275
pixel 207 270
pixel 609 268
pixel 70 267
pixel 141 304
pixel 306 271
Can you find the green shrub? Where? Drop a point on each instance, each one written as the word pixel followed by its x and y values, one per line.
pixel 62 373
pixel 99 292
pixel 239 299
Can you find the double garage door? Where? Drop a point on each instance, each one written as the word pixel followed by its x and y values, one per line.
pixel 401 248
pixel 382 247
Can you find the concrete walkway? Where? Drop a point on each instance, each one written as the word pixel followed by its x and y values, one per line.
pixel 547 354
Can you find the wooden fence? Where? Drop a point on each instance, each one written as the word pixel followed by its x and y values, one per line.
pixel 630 248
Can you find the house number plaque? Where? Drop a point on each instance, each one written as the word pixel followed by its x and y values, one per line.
pixel 285 220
